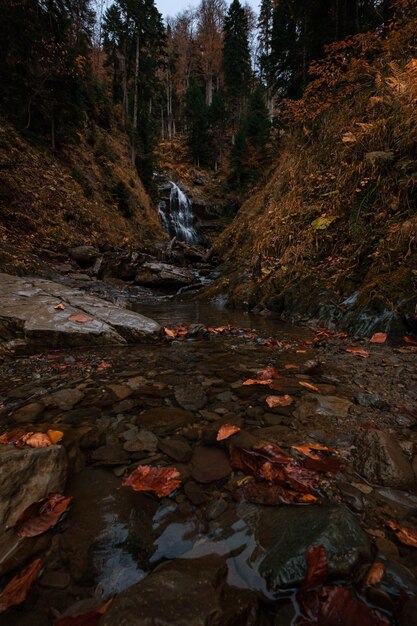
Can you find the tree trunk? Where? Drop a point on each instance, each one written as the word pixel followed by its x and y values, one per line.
pixel 135 99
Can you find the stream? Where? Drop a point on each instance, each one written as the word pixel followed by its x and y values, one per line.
pixel 203 554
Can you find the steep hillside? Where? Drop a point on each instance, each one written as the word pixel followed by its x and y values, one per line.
pixel 335 229
pixel 88 193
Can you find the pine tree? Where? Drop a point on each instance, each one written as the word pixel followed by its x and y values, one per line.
pixel 196 112
pixel 236 60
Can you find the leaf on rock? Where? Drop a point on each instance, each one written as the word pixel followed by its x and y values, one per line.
pixel 405 534
pixel 271 495
pixel 161 480
pixel 269 373
pixel 317 567
pixel 374 575
pixel 36 440
pixel 180 331
pixel 410 340
pixel 378 338
pixel 55 436
pixel 274 401
pixel 358 352
pixel 339 606
pixel 273 343
pixel 17 589
pixel 80 319
pixel 307 385
pixel 226 431
pixel 103 366
pixel 13 436
pixel 319 458
pixel 60 306
pixel 41 516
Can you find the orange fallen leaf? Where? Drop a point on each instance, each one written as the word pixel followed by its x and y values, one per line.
pixel 269 373
pixel 257 381
pixel 358 352
pixel 81 319
pixel 180 331
pixel 41 516
pixel 274 401
pixel 161 480
pixel 37 440
pixel 410 340
pixel 17 589
pixel 378 338
pixel 405 534
pixel 319 458
pixel 226 431
pixel 272 342
pixel 303 383
pixel 374 575
pixel 55 436
pixel 271 495
pixel 60 307
pixel 290 366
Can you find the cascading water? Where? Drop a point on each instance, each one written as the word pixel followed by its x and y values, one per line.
pixel 178 218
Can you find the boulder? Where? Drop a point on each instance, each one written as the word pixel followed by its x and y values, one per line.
pixel 84 256
pixel 191 397
pixel 165 419
pixel 164 275
pixel 380 460
pixel 184 592
pixel 209 464
pixel 28 312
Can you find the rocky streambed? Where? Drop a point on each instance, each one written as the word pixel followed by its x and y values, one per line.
pixel 210 552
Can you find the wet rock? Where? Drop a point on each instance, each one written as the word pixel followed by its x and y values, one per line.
pixel 379 459
pixel 64 399
pixel 121 392
pixel 328 406
pixel 26 476
pixel 164 419
pixel 209 464
pixel 351 496
pixel 216 508
pixel 191 397
pixel 163 274
pixel 176 449
pixel 191 592
pixel 194 493
pixel 84 256
pixel 56 580
pixel 110 455
pixel 370 400
pixel 409 613
pixel 29 413
pixel 145 441
pixel 28 312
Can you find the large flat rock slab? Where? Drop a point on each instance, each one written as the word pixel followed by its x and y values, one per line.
pixel 27 311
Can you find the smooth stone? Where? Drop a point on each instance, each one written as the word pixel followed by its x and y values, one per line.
pixel 121 392
pixel 189 592
pixel 145 441
pixel 56 580
pixel 191 397
pixel 165 419
pixel 194 493
pixel 176 449
pixel 110 455
pixel 29 413
pixel 328 406
pixel 367 399
pixel 216 508
pixel 380 460
pixel 64 399
pixel 209 464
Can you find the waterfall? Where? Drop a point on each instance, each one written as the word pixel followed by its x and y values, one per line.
pixel 178 219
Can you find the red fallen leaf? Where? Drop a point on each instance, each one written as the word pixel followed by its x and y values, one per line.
pixel 60 307
pixel 405 534
pixel 55 436
pixel 339 606
pixel 270 495
pixel 41 516
pixel 410 340
pixel 92 618
pixel 17 588
pixel 161 480
pixel 272 342
pixel 358 352
pixel 13 436
pixel 274 401
pixel 101 367
pixel 81 319
pixel 378 338
pixel 256 381
pixel 303 383
pixel 317 567
pixel 374 575
pixel 319 458
pixel 226 431
pixel 269 373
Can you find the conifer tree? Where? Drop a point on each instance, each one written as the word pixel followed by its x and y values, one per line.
pixel 196 112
